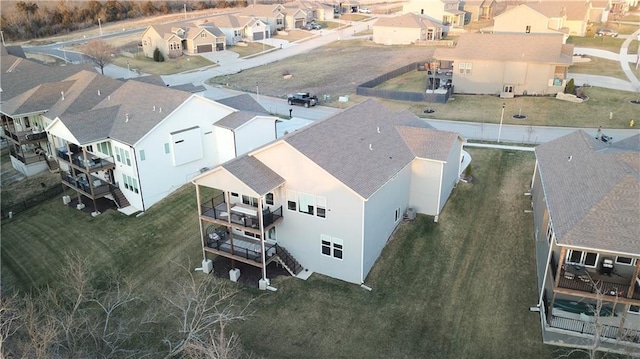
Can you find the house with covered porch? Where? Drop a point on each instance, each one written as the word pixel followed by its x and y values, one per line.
pixel 327 198
pixel 584 195
pixel 406 29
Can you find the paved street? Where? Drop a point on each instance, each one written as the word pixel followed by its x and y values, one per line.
pixel 229 63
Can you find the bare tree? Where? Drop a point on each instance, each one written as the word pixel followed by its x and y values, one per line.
pixel 100 53
pixel 10 320
pixel 197 307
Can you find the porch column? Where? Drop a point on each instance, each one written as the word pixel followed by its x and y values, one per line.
pixel 226 200
pixel 633 279
pixel 261 224
pixel 198 200
pixel 563 252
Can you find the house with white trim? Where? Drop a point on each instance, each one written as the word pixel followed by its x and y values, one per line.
pixel 237 29
pixel 448 11
pixel 327 197
pixel 586 203
pixel 139 142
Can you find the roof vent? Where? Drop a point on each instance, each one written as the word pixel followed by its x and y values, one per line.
pixel 62 94
pixel 109 97
pixel 569 158
pixel 370 147
pixel 160 111
pixel 98 92
pixel 154 108
pixel 378 129
pixel 126 118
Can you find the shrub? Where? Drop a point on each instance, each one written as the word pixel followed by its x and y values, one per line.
pixel 570 88
pixel 157 55
pixel 468 172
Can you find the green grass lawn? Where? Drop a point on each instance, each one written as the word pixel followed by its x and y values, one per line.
pixel 167 67
pixel 458 288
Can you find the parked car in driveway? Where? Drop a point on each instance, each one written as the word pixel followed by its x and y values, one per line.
pixel 364 10
pixel 607 32
pixel 313 26
pixel 302 98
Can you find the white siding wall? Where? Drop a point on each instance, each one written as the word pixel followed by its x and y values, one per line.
pixel 451 173
pixel 135 199
pixel 380 216
pixel 299 232
pixel 425 184
pixel 158 175
pixel 254 134
pixel 395 35
pixel 519 18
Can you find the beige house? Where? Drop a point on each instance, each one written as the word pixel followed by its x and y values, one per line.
pixel 568 18
pixel 448 11
pixel 326 198
pixel 508 64
pixel 478 10
pixel 406 29
pixel 239 29
pixel 585 202
pixel 287 16
pixel 172 40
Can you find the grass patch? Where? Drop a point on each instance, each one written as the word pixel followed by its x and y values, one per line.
pixel 295 35
pixel 436 288
pixel 413 81
pixel 167 67
pixel 252 48
pixel 597 42
pixel 601 67
pixel 540 111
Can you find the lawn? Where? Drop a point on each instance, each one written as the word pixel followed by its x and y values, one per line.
pixel 458 288
pixel 602 67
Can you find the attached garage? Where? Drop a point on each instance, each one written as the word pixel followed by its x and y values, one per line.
pixel 205 48
pixel 299 24
pixel 258 36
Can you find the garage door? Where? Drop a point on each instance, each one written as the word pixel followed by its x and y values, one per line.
pixel 258 35
pixel 205 48
pixel 299 24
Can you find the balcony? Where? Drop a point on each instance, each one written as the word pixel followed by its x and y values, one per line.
pixel 20 137
pixel 241 215
pixel 87 164
pixel 91 186
pixel 244 249
pixel 589 328
pixel 27 158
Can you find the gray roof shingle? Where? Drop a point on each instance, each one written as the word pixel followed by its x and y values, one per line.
pixel 592 191
pixel 243 102
pixel 254 174
pixel 362 146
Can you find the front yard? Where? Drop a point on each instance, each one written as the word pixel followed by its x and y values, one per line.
pixel 458 288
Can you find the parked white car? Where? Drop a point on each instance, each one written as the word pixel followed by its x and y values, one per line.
pixel 365 10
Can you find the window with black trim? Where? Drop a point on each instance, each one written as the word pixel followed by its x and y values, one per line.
pixel 268 198
pixel 588 259
pixel 624 260
pixel 331 246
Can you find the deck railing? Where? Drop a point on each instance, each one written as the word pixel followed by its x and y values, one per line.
pixel 243 249
pixel 27 159
pixel 606 331
pixel 89 164
pixel 97 188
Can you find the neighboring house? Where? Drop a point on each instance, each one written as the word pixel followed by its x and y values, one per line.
pixel 568 18
pixel 25 116
pixel 406 29
pixel 141 142
pixel 509 64
pixel 478 10
pixel 327 198
pixel 172 40
pixel 240 29
pixel 586 205
pixel 269 14
pixel 448 11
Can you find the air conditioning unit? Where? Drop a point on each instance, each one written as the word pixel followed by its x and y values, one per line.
pixel 410 214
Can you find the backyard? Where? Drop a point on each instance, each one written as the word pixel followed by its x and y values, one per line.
pixel 458 288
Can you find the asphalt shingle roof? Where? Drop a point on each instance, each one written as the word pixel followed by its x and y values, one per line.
pixel 592 191
pixel 538 48
pixel 243 102
pixel 363 146
pixel 254 174
pixel 409 20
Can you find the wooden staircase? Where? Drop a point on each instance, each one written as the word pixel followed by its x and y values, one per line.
pixel 118 196
pixel 288 262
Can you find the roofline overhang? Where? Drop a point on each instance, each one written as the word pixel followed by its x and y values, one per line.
pixel 624 254
pixel 39 112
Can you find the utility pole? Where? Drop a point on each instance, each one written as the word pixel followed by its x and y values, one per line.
pixel 501 118
pixel 100 26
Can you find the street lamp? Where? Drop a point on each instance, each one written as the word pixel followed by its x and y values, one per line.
pixel 100 26
pixel 501 118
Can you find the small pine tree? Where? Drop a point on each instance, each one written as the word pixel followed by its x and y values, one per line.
pixel 157 55
pixel 570 88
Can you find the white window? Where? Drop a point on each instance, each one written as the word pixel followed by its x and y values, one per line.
pixel 292 200
pixel 268 198
pixel 123 156
pixel 105 147
pixel 588 259
pixel 626 260
pixel 130 183
pixel 527 29
pixel 549 232
pixel 331 246
pixel 142 155
pixel 167 149
pixel 203 34
pixel 251 201
pixel 465 68
pixel 306 203
pixel 507 88
pixel 321 207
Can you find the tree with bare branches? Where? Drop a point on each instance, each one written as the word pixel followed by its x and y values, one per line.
pixel 198 307
pixel 100 53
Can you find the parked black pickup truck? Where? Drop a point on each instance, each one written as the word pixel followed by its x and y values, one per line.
pixel 302 98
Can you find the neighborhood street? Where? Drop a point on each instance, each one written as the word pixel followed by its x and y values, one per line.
pixel 229 63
